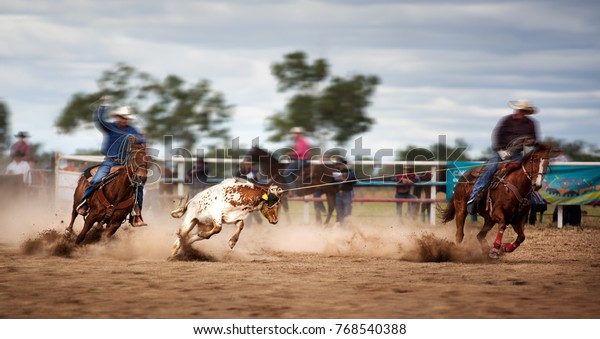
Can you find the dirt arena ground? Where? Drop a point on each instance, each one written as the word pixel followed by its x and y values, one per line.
pixel 374 269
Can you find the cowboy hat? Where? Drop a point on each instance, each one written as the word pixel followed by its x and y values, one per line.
pixel 299 130
pixel 124 112
pixel 522 104
pixel 22 134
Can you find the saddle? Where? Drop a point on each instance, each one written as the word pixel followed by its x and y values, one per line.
pixel 89 172
pixel 503 169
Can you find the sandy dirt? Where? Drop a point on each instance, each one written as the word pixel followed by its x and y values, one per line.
pixel 373 269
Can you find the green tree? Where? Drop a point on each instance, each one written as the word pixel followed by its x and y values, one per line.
pixel 576 150
pixel 4 128
pixel 339 107
pixel 167 107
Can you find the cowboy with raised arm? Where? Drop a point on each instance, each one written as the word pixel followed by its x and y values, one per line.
pixel 116 135
pixel 510 135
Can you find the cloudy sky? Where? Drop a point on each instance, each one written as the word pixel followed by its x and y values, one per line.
pixel 448 68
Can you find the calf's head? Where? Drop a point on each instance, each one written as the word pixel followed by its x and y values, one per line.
pixel 270 208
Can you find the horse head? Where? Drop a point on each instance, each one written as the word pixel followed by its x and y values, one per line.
pixel 535 163
pixel 137 164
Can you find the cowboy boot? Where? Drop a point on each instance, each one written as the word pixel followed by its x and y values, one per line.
pixel 138 221
pixel 82 208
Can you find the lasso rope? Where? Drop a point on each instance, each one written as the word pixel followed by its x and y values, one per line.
pixel 385 176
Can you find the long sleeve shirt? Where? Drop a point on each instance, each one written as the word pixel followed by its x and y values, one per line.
pixel 21 147
pixel 114 136
pixel 509 128
pixel 301 149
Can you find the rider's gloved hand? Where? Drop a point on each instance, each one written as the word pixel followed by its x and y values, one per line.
pixel 504 154
pixel 105 100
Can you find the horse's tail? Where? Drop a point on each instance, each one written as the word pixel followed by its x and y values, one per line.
pixel 180 211
pixel 448 213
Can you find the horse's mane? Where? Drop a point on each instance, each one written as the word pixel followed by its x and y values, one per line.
pixel 538 147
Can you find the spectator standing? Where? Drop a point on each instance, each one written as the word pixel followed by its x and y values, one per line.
pixel 538 205
pixel 320 209
pixel 21 146
pixel 344 191
pixel 19 166
pixel 424 207
pixel 403 191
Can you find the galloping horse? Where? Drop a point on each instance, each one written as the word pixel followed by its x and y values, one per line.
pixel 312 178
pixel 115 197
pixel 506 201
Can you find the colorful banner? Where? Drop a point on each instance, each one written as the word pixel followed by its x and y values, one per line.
pixel 563 184
pixel 454 171
pixel 572 185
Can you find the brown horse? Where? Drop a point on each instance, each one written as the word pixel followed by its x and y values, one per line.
pixel 113 200
pixel 312 178
pixel 506 200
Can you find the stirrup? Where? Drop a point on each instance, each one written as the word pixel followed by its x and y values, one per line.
pixel 471 206
pixel 141 222
pixel 82 208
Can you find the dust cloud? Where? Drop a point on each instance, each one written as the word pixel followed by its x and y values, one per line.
pixel 38 229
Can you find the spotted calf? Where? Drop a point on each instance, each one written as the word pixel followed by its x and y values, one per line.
pixel 229 202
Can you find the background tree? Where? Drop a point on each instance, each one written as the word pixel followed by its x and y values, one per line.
pixel 576 150
pixel 4 129
pixel 169 107
pixel 338 108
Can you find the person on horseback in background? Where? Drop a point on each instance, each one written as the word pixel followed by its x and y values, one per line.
pixel 509 131
pixel 299 156
pixel 115 137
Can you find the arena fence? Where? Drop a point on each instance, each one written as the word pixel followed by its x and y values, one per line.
pixel 167 178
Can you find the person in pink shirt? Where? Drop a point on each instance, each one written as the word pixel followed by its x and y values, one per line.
pixel 299 156
pixel 21 146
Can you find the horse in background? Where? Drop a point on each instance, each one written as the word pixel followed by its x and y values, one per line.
pixel 505 201
pixel 311 178
pixel 113 200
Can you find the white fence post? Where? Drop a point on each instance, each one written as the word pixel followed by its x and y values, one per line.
pixel 432 206
pixel 559 214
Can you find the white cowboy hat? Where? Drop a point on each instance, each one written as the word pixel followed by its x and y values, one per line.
pixel 299 130
pixel 522 104
pixel 124 112
pixel 22 134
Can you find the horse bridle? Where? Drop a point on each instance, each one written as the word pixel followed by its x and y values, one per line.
pixel 131 167
pixel 539 176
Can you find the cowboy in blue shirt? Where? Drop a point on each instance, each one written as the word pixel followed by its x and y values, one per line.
pixel 115 136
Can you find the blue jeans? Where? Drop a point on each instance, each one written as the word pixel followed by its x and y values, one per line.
pixel 319 206
pixel 412 206
pixel 343 205
pixel 103 171
pixel 488 172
